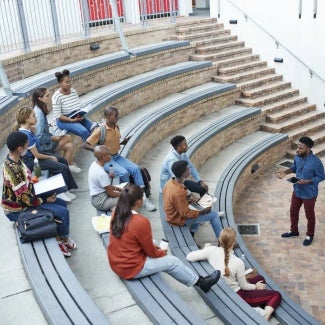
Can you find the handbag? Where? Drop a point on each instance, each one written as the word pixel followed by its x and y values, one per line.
pixel 36 224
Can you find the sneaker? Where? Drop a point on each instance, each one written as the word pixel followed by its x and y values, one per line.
pixel 308 240
pixel 70 195
pixel 148 205
pixel 64 197
pixel 205 283
pixel 64 249
pixel 70 244
pixel 261 311
pixel 74 169
pixel 290 234
pixel 93 126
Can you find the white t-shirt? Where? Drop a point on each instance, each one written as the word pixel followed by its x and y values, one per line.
pixel 98 179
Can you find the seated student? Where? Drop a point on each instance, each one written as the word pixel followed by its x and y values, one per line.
pixel 47 141
pixel 179 153
pixel 103 195
pixel 131 251
pixel 233 271
pixel 18 192
pixel 123 167
pixel 176 203
pixel 65 101
pixel 56 164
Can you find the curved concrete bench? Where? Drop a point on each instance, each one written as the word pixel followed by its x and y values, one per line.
pixel 58 292
pixel 288 312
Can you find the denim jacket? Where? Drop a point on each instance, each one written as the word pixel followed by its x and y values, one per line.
pixel 42 131
pixel 310 167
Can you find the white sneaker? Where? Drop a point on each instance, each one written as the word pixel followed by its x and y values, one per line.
pixel 148 205
pixel 260 310
pixel 64 197
pixel 74 169
pixel 70 195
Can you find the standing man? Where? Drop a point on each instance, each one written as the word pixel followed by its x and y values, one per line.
pixel 123 167
pixel 310 172
pixel 179 153
pixel 104 196
pixel 176 203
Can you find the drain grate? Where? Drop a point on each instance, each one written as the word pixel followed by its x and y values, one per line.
pixel 249 230
pixel 286 163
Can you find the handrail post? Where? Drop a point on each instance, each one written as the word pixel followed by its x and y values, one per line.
pixel 55 22
pixel 86 17
pixel 117 24
pixel 23 25
pixel 4 80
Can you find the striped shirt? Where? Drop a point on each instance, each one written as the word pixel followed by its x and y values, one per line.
pixel 65 104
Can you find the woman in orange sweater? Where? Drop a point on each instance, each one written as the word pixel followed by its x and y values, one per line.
pixel 131 252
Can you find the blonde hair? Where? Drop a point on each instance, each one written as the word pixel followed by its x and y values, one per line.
pixel 22 115
pixel 227 239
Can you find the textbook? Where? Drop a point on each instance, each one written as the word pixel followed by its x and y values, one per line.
pixel 101 223
pixel 51 185
pixel 79 113
pixel 206 201
pixel 122 185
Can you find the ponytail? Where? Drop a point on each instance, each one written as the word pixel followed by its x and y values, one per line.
pixel 227 239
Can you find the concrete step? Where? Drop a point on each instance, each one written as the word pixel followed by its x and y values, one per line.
pixel 258 82
pixel 222 55
pixel 285 103
pixel 198 28
pixel 226 71
pixel 294 122
pixel 237 60
pixel 248 75
pixel 268 99
pixel 289 112
pixel 219 47
pixel 224 38
pixel 266 89
pixel 195 22
pixel 201 36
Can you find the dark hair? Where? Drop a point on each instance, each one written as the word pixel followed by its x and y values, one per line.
pixel 61 75
pixel 307 141
pixel 123 211
pixel 39 92
pixel 175 141
pixel 179 168
pixel 16 139
pixel 108 110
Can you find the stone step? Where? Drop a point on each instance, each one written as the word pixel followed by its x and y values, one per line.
pixel 195 22
pixel 289 112
pixel 224 38
pixel 294 122
pixel 199 28
pixel 266 89
pixel 201 36
pixel 251 84
pixel 268 99
pixel 248 75
pixel 236 69
pixel 222 55
pixel 285 103
pixel 313 127
pixel 219 47
pixel 237 60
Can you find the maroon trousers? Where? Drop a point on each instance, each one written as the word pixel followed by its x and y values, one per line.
pixel 257 298
pixel 309 206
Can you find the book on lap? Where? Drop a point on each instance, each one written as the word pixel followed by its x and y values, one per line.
pixel 51 185
pixel 206 201
pixel 79 113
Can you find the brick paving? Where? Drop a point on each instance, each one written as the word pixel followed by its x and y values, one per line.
pixel 299 270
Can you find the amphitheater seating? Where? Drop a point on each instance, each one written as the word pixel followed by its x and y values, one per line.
pixel 58 292
pixel 158 300
pixel 7 103
pixel 288 312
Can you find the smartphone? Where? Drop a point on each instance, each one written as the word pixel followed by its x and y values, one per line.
pixel 293 180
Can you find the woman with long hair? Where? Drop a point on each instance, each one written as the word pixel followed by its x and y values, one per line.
pixel 47 141
pixel 131 251
pixel 233 271
pixel 65 101
pixel 55 164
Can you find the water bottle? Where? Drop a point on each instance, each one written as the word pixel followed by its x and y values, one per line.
pixel 111 173
pixel 37 168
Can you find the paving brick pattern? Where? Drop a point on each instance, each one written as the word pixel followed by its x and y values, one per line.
pixel 299 270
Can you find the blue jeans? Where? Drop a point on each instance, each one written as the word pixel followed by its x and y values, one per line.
pixel 123 168
pixel 59 208
pixel 171 265
pixel 214 219
pixel 82 129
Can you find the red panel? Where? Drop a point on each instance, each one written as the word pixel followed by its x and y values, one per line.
pixel 101 9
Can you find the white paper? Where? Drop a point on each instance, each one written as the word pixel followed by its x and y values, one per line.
pixel 50 184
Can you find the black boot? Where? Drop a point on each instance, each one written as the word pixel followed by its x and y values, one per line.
pixel 205 283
